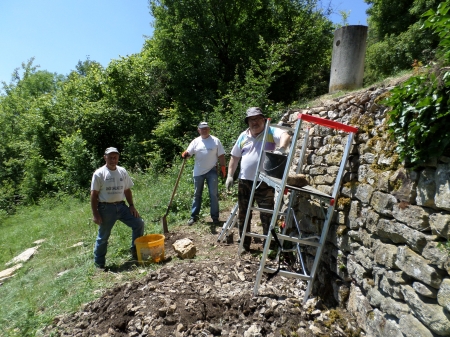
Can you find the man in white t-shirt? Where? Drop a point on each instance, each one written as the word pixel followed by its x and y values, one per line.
pixel 247 150
pixel 110 185
pixel 207 150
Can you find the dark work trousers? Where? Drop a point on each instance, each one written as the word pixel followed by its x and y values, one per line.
pixel 264 196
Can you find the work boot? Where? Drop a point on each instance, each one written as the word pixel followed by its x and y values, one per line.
pixel 101 267
pixel 133 253
pixel 216 222
pixel 191 222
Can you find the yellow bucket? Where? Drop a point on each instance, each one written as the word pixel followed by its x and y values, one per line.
pixel 150 248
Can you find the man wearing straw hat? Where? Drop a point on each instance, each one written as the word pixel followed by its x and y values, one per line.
pixel 207 150
pixel 110 185
pixel 248 149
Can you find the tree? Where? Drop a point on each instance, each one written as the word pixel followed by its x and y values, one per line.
pixel 204 43
pixel 395 38
pixel 26 137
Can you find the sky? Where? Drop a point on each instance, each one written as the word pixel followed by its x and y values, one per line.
pixel 355 8
pixel 59 33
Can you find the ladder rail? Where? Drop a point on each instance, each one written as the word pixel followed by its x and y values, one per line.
pixel 277 206
pixel 254 186
pixel 319 252
pixel 344 160
pixel 229 224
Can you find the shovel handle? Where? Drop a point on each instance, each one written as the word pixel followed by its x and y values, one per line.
pixel 175 188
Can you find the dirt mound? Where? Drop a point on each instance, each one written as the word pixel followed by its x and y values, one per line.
pixel 209 296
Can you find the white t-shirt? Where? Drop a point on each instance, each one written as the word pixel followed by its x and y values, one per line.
pixel 206 152
pixel 111 184
pixel 248 148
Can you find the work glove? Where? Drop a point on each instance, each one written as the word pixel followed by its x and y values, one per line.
pixel 185 155
pixel 222 169
pixel 280 150
pixel 229 183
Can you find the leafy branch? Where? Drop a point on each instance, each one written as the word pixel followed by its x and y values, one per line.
pixel 420 111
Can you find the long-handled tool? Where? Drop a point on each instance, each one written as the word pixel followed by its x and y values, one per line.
pixel 164 220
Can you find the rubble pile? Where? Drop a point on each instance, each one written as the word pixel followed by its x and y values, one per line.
pixel 206 298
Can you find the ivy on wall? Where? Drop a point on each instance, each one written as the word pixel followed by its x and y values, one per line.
pixel 419 117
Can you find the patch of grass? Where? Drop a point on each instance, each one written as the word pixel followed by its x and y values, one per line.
pixel 60 278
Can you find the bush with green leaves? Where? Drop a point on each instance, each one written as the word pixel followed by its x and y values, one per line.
pixel 395 39
pixel 420 108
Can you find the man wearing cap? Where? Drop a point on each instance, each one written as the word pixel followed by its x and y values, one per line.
pixel 248 148
pixel 110 185
pixel 207 149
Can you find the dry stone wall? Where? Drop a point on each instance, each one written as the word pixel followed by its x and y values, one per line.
pixel 384 258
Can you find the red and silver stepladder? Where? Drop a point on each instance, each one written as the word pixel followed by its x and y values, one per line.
pixel 325 201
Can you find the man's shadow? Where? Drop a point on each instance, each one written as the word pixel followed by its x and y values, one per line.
pixel 213 227
pixel 132 264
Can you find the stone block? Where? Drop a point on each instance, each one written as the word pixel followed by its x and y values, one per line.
pixel 412 327
pixel 324 179
pixel 316 160
pixel 418 268
pixel 426 188
pixel 333 158
pixel 383 203
pixel 382 325
pixel 354 219
pixel 366 238
pixel 359 306
pixel 385 254
pixel 364 193
pixel 443 295
pixel 400 233
pixel 415 217
pixel 382 183
pixel 391 281
pixel 431 314
pixel 395 308
pixel 317 170
pixel 364 256
pixel 371 218
pixel 424 290
pixel 325 189
pixel 368 158
pixel 184 248
pixel 402 185
pixel 316 142
pixel 440 224
pixel 355 270
pixel 442 197
pixel 436 254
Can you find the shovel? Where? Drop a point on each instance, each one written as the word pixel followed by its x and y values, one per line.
pixel 164 220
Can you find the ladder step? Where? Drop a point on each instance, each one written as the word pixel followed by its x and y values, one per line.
pixel 288 274
pixel 275 182
pixel 265 210
pixel 303 241
pixel 256 235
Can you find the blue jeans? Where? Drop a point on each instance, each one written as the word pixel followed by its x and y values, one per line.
pixel 110 213
pixel 213 188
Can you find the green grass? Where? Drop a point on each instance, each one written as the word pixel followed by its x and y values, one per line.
pixel 59 279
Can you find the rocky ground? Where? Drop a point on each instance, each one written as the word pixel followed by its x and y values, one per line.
pixel 211 295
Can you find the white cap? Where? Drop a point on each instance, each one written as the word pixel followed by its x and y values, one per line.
pixel 203 125
pixel 111 150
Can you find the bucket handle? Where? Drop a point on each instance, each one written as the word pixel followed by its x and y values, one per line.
pixel 282 163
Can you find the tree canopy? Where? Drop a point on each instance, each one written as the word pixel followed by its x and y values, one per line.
pixel 396 38
pixel 203 44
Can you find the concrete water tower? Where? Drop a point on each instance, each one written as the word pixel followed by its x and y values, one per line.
pixel 347 62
